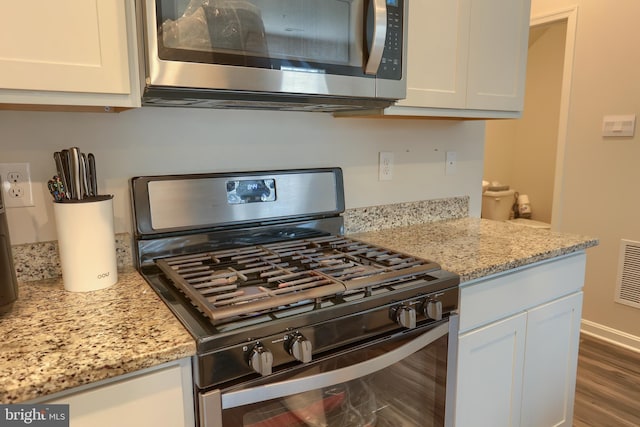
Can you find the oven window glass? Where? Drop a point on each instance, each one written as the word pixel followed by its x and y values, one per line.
pixel 408 393
pixel 313 35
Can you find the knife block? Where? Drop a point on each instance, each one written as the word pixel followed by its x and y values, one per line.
pixel 86 243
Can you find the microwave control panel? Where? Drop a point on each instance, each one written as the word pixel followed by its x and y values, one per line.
pixel 391 64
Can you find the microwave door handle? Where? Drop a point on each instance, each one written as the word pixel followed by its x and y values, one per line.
pixel 379 36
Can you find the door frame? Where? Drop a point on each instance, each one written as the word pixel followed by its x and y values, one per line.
pixel 570 15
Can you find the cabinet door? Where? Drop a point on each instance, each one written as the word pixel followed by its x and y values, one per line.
pixel 162 398
pixel 553 333
pixel 489 384
pixel 498 44
pixel 437 54
pixel 64 45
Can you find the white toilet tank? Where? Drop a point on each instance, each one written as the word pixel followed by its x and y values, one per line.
pixel 497 204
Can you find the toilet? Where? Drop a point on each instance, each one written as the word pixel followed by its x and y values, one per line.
pixel 498 205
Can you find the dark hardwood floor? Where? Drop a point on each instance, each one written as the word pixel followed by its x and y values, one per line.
pixel 608 385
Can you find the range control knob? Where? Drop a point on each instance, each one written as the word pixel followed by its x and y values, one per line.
pixel 299 347
pixel 405 316
pixel 433 309
pixel 260 359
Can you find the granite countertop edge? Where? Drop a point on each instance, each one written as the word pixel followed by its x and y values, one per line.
pixel 50 348
pixel 476 248
pixel 55 340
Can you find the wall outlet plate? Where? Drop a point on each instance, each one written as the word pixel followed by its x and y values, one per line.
pixel 385 166
pixel 16 185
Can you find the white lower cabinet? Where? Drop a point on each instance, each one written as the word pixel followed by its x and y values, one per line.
pixel 517 363
pixel 156 398
pixel 490 374
pixel 551 357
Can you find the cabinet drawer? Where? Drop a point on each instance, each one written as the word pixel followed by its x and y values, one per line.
pixel 503 295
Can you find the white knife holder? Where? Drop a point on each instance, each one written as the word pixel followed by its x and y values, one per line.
pixel 86 243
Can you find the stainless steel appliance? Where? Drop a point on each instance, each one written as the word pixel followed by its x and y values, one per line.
pixel 295 323
pixel 8 281
pixel 308 55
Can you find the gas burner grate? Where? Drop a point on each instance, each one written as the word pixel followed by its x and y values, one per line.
pixel 254 279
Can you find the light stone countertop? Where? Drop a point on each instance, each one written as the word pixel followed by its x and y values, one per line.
pixel 475 248
pixel 54 340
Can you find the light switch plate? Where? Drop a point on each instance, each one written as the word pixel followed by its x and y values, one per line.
pixel 624 125
pixel 451 163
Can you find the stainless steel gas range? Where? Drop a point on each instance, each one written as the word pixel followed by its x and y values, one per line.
pixel 295 323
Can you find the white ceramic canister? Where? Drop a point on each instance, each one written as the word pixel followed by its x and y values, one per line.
pixel 86 243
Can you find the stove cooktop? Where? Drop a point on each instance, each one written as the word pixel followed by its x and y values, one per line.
pixel 259 279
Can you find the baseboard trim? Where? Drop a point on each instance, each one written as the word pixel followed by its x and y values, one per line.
pixel 613 336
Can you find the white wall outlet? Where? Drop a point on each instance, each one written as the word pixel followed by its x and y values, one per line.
pixel 385 166
pixel 16 184
pixel 451 163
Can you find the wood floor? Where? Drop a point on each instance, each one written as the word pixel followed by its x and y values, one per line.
pixel 608 385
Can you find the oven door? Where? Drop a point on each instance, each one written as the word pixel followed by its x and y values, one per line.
pixel 404 380
pixel 317 47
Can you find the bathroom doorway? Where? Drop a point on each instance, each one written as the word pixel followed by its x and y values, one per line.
pixel 528 153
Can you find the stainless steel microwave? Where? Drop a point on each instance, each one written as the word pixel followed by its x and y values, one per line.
pixel 309 55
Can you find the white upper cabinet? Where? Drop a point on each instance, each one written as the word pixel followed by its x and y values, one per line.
pixel 498 45
pixel 438 47
pixel 466 58
pixel 69 52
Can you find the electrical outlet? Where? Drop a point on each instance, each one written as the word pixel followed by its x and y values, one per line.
pixel 14 177
pixel 16 184
pixel 385 167
pixel 16 192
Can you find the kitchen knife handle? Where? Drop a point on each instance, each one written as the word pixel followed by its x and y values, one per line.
pixel 74 155
pixel 57 157
pixel 66 165
pixel 93 179
pixel 84 170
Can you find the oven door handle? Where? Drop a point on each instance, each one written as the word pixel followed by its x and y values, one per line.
pixel 299 385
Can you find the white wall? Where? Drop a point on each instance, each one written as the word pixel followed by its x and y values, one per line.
pixel 172 140
pixel 600 196
pixel 499 151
